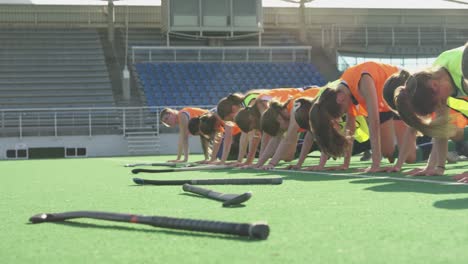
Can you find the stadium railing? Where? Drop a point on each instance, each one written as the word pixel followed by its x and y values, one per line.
pixel 80 121
pixel 221 54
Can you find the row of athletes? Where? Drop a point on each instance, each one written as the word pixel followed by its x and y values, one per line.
pixel 372 106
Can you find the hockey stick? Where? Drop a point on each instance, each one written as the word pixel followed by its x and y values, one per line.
pixel 258 230
pixel 206 167
pixel 211 181
pixel 227 199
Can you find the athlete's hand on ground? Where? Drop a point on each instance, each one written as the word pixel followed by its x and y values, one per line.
pixel 314 168
pixel 250 166
pixel 335 168
pixel 373 169
pixel 267 167
pixel 463 177
pixel 220 162
pixel 413 171
pixel 293 167
pixel 393 169
pixel 429 172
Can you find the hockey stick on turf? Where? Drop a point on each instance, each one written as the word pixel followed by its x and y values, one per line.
pixel 258 230
pixel 206 167
pixel 227 199
pixel 163 164
pixel 211 181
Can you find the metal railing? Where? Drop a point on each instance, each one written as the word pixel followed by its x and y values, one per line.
pixel 220 54
pixel 367 35
pixel 81 121
pixel 77 121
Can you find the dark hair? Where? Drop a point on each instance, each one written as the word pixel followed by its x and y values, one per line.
pixel 301 115
pixel 194 125
pixel 225 105
pixel 208 123
pixel 269 120
pixel 416 100
pixel 248 118
pixel 331 141
pixel 393 82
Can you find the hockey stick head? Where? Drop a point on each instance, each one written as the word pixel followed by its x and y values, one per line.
pixel 138 181
pixel 41 218
pixel 238 199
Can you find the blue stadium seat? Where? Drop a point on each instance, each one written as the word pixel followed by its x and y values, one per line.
pixel 205 83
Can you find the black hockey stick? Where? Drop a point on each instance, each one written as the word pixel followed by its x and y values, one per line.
pixel 206 167
pixel 255 230
pixel 163 164
pixel 211 181
pixel 227 199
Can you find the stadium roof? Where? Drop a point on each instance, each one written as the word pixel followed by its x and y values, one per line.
pixel 393 4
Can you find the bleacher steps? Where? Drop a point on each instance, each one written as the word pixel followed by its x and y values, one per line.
pixel 143 142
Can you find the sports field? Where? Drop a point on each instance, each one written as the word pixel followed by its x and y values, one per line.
pixel 313 217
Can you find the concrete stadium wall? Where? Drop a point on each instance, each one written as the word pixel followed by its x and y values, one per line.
pixel 150 16
pixel 96 146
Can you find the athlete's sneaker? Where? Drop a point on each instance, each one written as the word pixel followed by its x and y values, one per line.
pixel 366 156
pixel 452 157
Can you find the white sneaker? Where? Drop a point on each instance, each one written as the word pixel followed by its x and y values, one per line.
pixel 452 157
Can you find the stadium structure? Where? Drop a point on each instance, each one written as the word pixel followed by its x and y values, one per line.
pixel 89 79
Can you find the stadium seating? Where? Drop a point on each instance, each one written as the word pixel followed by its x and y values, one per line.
pixel 48 68
pixel 179 84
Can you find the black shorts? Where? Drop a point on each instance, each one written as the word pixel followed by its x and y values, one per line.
pixel 385 116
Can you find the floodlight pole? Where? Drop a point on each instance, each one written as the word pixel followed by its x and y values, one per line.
pixel 126 73
pixel 110 20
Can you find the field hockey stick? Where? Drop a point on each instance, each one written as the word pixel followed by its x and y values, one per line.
pixel 162 164
pixel 211 181
pixel 206 167
pixel 227 199
pixel 258 230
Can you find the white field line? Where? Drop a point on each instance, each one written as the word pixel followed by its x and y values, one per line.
pixel 124 161
pixel 354 175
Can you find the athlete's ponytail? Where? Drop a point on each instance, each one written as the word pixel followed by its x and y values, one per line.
pixel 269 122
pixel 208 124
pixel 323 114
pixel 225 105
pixel 248 118
pixel 392 83
pixel 301 114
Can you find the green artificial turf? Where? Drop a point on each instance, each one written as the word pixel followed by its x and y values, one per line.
pixel 314 218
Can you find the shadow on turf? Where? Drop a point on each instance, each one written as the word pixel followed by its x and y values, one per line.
pixel 452 204
pixel 199 196
pixel 158 230
pixel 394 185
pixel 290 175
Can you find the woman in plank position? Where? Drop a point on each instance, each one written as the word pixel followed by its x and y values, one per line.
pixel 433 102
pixel 172 118
pixel 359 93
